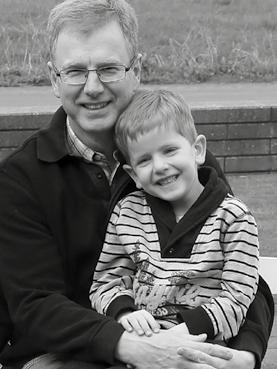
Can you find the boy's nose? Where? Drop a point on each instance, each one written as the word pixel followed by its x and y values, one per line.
pixel 159 164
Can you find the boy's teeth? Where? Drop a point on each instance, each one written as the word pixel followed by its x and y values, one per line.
pixel 168 180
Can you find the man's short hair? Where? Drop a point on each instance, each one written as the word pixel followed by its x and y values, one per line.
pixel 87 15
pixel 150 109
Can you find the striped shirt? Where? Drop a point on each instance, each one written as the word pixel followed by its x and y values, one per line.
pixel 221 274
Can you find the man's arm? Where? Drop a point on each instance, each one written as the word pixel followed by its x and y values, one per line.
pixel 5 323
pixel 254 334
pixel 34 285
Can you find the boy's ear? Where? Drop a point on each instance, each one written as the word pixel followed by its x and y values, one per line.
pixel 54 79
pixel 200 146
pixel 128 169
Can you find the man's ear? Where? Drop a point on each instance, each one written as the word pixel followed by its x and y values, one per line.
pixel 200 146
pixel 54 79
pixel 128 169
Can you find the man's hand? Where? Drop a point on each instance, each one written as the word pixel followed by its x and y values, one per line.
pixel 160 350
pixel 139 321
pixel 175 349
pixel 213 356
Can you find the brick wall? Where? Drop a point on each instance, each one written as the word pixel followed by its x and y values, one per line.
pixel 243 139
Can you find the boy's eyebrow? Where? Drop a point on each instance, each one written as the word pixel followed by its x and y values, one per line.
pixel 140 157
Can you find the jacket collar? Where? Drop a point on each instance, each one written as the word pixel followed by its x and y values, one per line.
pixel 213 194
pixel 52 141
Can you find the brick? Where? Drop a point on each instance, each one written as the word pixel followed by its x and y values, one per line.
pixel 23 121
pixel 217 148
pixel 14 138
pixel 248 147
pixel 273 146
pixel 250 130
pixel 274 162
pixel 274 129
pixel 239 147
pixel 232 115
pixel 274 113
pixel 243 164
pixel 213 131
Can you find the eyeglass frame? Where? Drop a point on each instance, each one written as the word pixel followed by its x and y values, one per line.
pixel 59 73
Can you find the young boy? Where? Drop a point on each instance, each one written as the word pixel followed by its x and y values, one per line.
pixel 181 249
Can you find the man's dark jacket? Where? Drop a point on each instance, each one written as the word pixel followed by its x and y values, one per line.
pixel 53 212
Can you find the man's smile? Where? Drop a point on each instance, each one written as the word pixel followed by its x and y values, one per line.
pixel 96 106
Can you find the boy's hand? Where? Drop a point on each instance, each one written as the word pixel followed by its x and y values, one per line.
pixel 139 321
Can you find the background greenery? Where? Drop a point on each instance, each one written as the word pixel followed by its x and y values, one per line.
pixel 182 40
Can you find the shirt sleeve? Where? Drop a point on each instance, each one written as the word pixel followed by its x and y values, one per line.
pixel 239 277
pixel 239 281
pixel 112 287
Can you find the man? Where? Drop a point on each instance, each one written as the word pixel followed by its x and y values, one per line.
pixel 56 194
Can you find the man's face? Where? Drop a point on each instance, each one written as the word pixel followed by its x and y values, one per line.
pixel 94 107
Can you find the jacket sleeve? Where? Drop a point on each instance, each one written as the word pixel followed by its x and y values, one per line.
pixel 34 285
pixel 5 323
pixel 112 289
pixel 253 336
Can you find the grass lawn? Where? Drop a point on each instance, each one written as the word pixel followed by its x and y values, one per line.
pixel 182 40
pixel 259 192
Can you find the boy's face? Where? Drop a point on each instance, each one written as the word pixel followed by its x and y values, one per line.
pixel 164 164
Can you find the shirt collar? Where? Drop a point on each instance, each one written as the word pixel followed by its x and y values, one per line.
pixel 78 148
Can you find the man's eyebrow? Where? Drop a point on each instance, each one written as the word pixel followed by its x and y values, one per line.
pixel 73 65
pixel 104 63
pixel 109 62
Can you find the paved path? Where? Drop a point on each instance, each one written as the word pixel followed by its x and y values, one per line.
pixel 41 99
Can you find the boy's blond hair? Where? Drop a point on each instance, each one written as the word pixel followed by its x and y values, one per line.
pixel 150 109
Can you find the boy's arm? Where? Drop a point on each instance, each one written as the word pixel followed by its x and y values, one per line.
pixel 253 336
pixel 239 278
pixel 111 292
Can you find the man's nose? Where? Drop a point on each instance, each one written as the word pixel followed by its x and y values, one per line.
pixel 93 84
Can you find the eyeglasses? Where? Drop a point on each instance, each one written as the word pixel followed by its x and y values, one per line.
pixel 106 74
